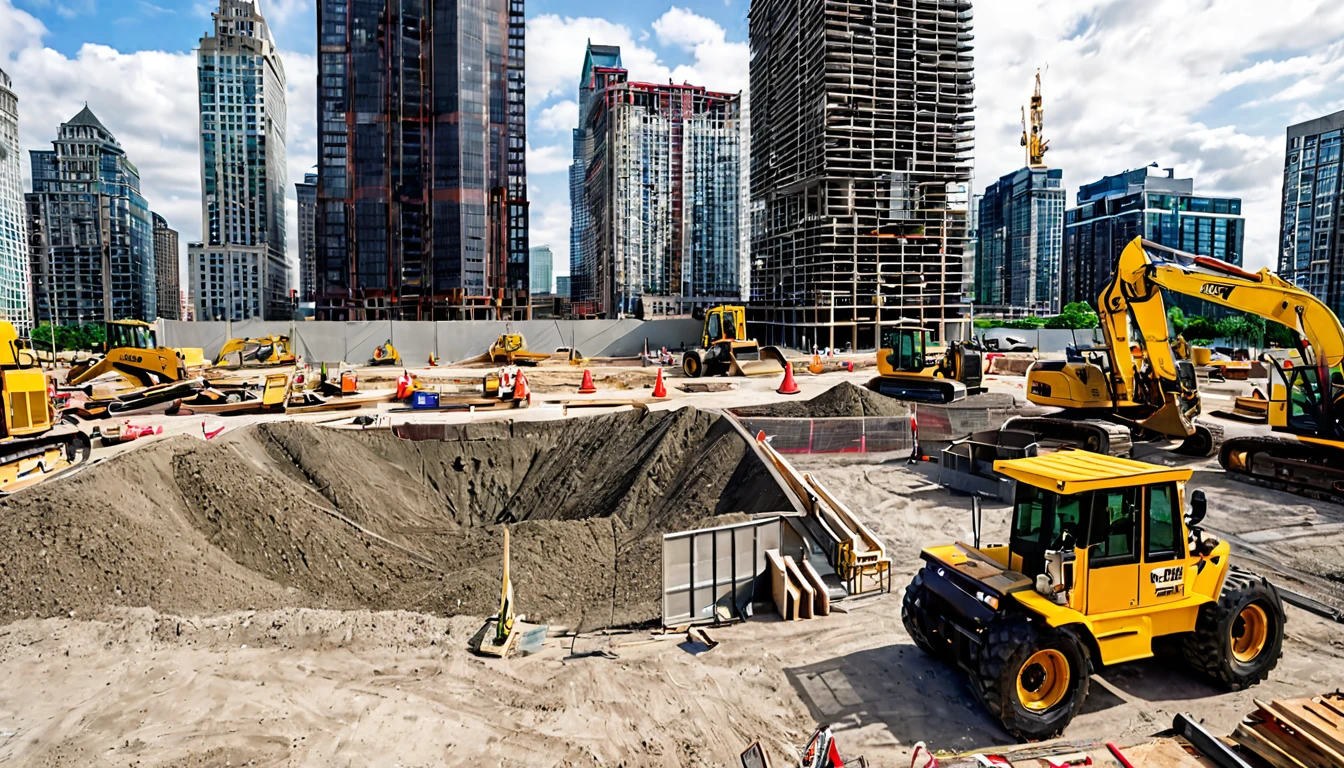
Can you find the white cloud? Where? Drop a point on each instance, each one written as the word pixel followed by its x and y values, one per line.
pixel 548 159
pixel 559 117
pixel 550 227
pixel 555 48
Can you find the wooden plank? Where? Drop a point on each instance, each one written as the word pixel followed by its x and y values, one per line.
pixel 1166 753
pixel 806 594
pixel 1256 740
pixel 782 588
pixel 822 604
pixel 1312 723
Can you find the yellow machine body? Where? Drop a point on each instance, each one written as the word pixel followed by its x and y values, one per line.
pixel 511 349
pixel 726 350
pixel 904 371
pixel 33 447
pixel 263 351
pixel 132 352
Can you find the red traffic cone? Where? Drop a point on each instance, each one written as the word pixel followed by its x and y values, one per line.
pixel 587 388
pixel 790 386
pixel 659 388
pixel 520 391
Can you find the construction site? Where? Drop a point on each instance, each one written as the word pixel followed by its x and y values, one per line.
pixel 524 557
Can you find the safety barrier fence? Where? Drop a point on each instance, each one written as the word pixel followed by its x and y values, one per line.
pixel 852 434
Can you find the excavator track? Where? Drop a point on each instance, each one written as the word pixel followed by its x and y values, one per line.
pixel 1311 470
pixel 1088 434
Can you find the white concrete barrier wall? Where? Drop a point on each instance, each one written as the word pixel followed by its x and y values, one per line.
pixel 353 342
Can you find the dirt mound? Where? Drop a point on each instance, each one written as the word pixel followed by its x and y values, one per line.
pixel 290 515
pixel 844 399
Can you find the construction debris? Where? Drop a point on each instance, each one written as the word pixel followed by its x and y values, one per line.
pixel 1291 733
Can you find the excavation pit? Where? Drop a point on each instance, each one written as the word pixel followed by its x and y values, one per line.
pixel 293 515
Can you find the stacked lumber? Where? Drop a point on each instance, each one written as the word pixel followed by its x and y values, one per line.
pixel 797 590
pixel 1296 733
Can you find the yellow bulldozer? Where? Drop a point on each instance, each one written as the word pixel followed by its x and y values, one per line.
pixel 1103 557
pixel 133 352
pixel 726 350
pixel 33 445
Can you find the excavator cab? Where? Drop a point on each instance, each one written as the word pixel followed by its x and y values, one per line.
pixel 130 334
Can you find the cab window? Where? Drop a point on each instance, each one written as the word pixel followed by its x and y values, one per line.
pixel 729 326
pixel 1162 528
pixel 1114 523
pixel 714 328
pixel 1043 521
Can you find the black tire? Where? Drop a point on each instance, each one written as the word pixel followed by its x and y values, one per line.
pixel 691 365
pixel 1222 626
pixel 1201 443
pixel 913 615
pixel 1011 650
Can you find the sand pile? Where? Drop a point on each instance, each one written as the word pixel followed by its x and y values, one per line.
pixel 291 515
pixel 843 399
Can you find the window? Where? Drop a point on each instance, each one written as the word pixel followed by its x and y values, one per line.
pixel 1113 521
pixel 1161 538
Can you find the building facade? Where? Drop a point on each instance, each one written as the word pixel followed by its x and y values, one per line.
pixel 541 263
pixel 15 280
pixel 1311 255
pixel 166 272
pixel 661 195
pixel 862 128
pixel 239 269
pixel 306 193
pixel 1020 244
pixel 562 283
pixel 90 233
pixel 1159 207
pixel 422 176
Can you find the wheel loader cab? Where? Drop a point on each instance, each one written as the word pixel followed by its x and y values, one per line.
pixel 129 334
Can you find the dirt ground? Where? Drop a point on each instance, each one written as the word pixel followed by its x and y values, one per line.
pixel 302 672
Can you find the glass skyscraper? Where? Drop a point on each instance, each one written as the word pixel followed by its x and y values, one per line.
pixel 542 262
pixel 306 194
pixel 1159 207
pixel 90 231
pixel 166 271
pixel 239 270
pixel 1311 255
pixel 1020 244
pixel 422 177
pixel 15 281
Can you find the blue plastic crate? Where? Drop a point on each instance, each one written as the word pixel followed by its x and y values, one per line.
pixel 425 400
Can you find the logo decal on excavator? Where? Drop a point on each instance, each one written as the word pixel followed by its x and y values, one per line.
pixel 129 358
pixel 1213 289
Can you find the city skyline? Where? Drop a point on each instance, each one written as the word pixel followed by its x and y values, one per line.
pixel 1218 112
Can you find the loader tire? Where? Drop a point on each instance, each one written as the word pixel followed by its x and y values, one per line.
pixel 1031 677
pixel 692 365
pixel 915 618
pixel 1238 638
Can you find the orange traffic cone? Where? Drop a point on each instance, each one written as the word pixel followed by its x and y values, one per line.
pixel 520 391
pixel 790 386
pixel 815 367
pixel 659 388
pixel 587 388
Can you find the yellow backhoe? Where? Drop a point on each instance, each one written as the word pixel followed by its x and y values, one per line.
pixel 259 352
pixel 726 350
pixel 33 446
pixel 133 352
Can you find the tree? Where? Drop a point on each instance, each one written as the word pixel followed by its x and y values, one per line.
pixel 1278 335
pixel 1178 320
pixel 1075 315
pixel 1237 329
pixel 1029 323
pixel 68 337
pixel 1201 328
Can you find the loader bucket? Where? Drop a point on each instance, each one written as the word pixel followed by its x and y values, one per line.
pixel 747 359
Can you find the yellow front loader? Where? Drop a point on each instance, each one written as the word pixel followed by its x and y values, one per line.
pixel 725 349
pixel 1103 557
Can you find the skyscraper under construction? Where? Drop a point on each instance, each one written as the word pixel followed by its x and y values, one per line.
pixel 861 143
pixel 422 178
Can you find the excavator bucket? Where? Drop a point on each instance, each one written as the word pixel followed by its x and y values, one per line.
pixel 1169 420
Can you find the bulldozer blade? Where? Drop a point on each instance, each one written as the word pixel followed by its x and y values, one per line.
pixel 1169 420
pixel 757 367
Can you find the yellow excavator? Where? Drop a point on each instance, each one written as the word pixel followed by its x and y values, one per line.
pixel 264 351
pixel 1113 397
pixel 903 371
pixel 33 445
pixel 726 350
pixel 511 349
pixel 133 352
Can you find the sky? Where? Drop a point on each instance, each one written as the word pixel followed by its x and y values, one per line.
pixel 1207 87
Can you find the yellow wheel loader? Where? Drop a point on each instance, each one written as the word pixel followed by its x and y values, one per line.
pixel 260 352
pixel 903 370
pixel 726 350
pixel 33 446
pixel 133 352
pixel 1103 557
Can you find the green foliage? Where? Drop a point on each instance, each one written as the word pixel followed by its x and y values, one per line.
pixel 69 337
pixel 1029 323
pixel 1178 320
pixel 1241 329
pixel 1201 328
pixel 1076 315
pixel 987 323
pixel 1277 335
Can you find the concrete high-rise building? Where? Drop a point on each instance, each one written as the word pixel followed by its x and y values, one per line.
pixel 15 279
pixel 862 127
pixel 239 270
pixel 1311 255
pixel 1020 244
pixel 422 177
pixel 661 194
pixel 1159 207
pixel 599 61
pixel 306 192
pixel 166 277
pixel 542 265
pixel 89 230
